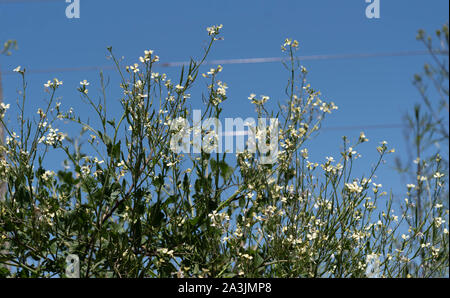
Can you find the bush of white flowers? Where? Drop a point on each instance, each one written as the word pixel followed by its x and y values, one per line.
pixel 129 206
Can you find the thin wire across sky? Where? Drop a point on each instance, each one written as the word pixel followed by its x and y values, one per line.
pixel 242 61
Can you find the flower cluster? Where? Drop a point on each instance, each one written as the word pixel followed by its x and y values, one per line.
pixel 54 84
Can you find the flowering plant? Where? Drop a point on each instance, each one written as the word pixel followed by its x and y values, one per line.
pixel 129 206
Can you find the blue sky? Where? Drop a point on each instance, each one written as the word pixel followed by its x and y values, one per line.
pixel 370 91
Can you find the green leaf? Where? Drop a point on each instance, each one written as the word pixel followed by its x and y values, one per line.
pixel 156 215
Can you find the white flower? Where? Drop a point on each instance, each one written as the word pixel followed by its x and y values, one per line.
pixel 304 153
pixel 329 159
pixel 165 251
pixel 17 69
pixel 134 68
pixel 363 138
pixel 372 266
pixel 171 164
pixel 214 30
pixel 53 137
pixel 351 152
pixel 222 88
pixel 425 245
pixel 262 101
pixel 214 71
pixel 409 186
pixel 85 170
pixel 421 178
pixel 438 175
pixel 4 106
pixel 287 42
pixel 354 187
pixel 84 83
pixel 438 221
pixel 264 98
pixel 53 84
pixel 376 186
pixel 147 56
pixel 47 175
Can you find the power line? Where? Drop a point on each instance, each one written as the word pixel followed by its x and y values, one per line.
pixel 245 61
pixel 354 127
pixel 308 58
pixel 372 126
pixel 28 1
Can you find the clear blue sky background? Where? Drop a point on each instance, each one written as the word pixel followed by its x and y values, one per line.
pixel 368 91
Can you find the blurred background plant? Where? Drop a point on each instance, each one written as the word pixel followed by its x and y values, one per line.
pixel 426 164
pixel 8 46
